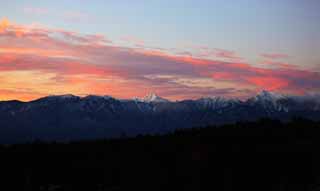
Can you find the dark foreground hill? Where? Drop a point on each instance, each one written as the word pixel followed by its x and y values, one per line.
pixel 265 156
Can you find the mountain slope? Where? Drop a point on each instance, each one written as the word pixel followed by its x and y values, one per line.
pixel 69 117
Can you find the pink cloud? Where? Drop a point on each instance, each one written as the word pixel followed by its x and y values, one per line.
pixel 95 65
pixel 278 64
pixel 217 53
pixel 275 56
pixel 221 53
pixel 269 82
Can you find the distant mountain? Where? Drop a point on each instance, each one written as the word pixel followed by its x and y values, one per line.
pixel 152 97
pixel 69 117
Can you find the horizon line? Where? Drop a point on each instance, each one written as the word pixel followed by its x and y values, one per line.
pixel 170 100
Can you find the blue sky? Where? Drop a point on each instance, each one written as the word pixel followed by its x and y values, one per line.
pixel 246 26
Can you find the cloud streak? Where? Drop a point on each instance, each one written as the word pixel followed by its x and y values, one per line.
pixel 69 62
pixel 275 56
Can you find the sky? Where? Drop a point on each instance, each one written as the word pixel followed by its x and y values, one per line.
pixel 179 49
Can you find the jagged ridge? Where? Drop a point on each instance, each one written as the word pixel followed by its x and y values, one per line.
pixel 69 117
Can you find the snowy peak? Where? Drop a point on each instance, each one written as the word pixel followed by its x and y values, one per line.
pixel 152 97
pixel 268 96
pixel 270 101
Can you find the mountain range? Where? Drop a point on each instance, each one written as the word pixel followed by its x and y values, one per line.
pixel 69 117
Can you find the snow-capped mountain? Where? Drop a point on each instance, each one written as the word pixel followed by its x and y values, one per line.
pixel 269 101
pixel 152 97
pixel 69 117
pixel 273 102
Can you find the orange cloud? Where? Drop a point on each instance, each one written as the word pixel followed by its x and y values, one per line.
pixel 59 61
pixel 34 51
pixel 4 24
pixel 19 95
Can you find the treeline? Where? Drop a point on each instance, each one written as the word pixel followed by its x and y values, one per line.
pixel 265 155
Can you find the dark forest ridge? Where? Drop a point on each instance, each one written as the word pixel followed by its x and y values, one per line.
pixel 266 156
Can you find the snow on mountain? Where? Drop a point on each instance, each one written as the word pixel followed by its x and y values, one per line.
pixel 270 101
pixel 99 116
pixel 152 97
pixel 268 96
